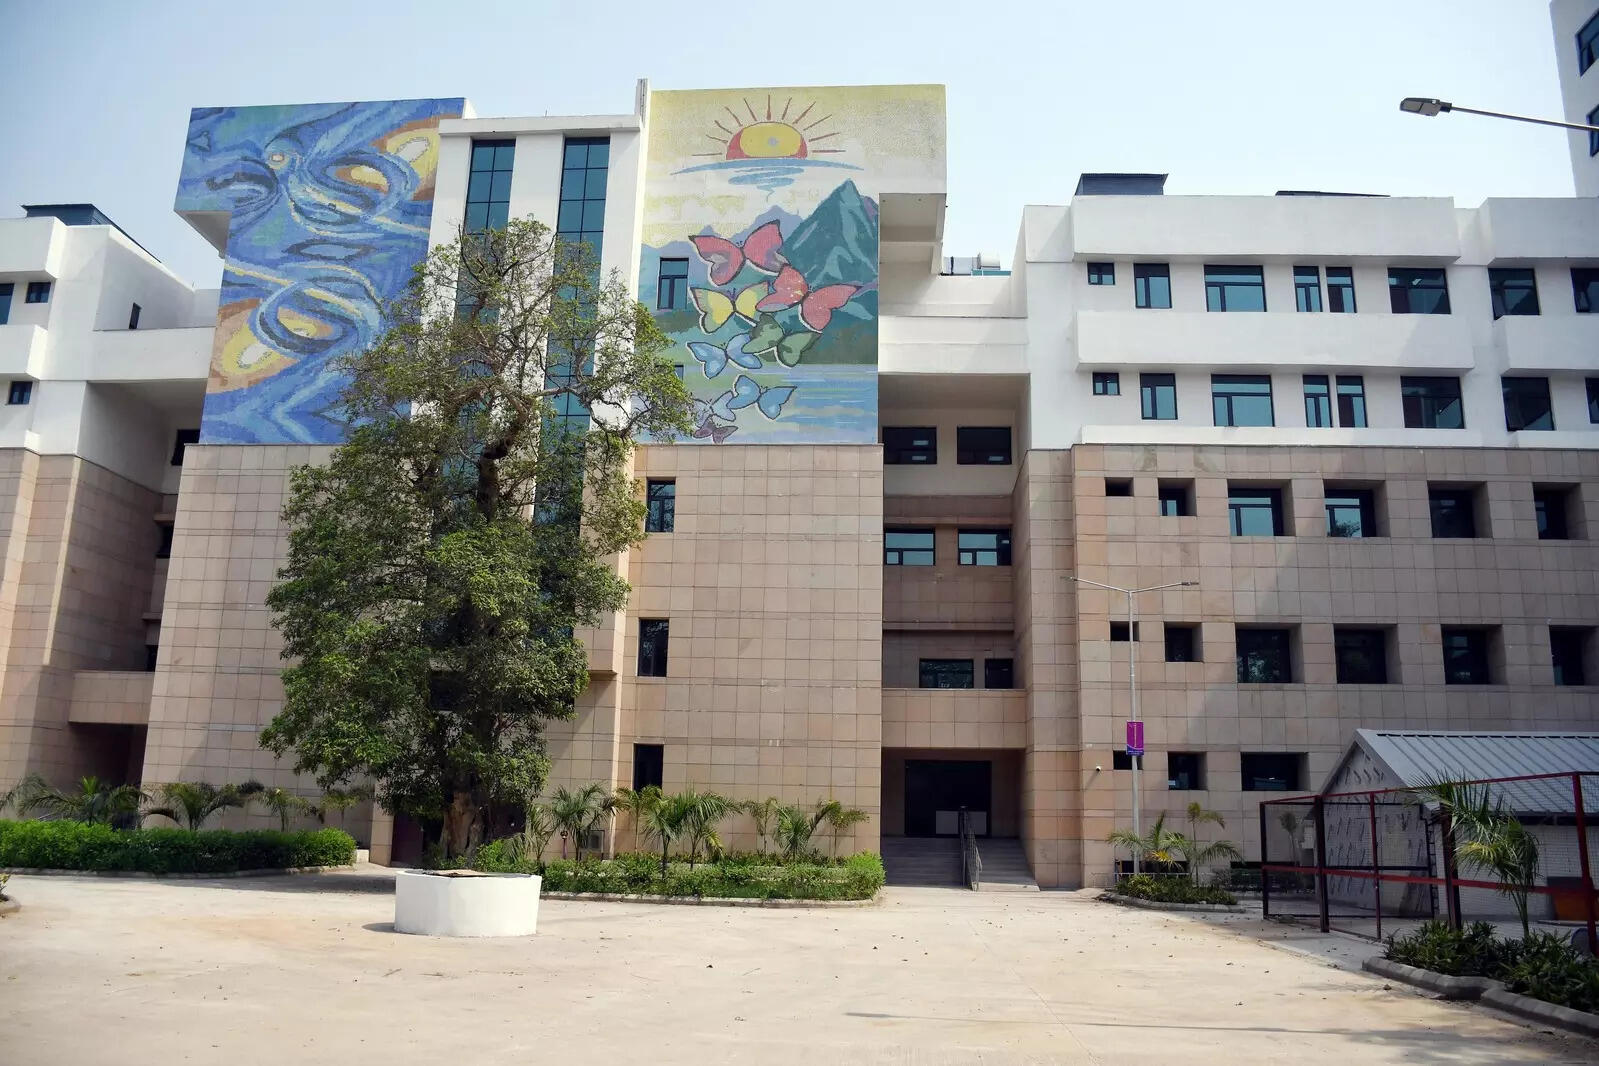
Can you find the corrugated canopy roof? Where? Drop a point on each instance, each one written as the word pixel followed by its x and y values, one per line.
pixel 1415 757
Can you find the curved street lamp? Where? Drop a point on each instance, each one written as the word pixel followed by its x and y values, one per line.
pixel 1427 107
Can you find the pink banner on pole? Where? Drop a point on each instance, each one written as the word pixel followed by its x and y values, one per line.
pixel 1135 738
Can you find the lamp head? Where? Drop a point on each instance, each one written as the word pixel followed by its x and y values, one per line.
pixel 1422 105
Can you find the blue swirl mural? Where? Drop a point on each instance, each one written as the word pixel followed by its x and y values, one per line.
pixel 329 208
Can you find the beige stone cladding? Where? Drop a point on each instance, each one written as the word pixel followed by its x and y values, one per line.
pixel 1403 582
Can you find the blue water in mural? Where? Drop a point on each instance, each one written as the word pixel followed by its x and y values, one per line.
pixel 329 208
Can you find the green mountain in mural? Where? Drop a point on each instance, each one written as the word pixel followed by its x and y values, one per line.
pixel 837 243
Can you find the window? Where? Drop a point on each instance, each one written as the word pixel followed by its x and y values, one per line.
pixel 6 289
pixel 1271 771
pixel 907 547
pixel 910 445
pixel 1593 136
pixel 982 445
pixel 38 292
pixel 1351 512
pixel 999 673
pixel 1341 290
pixel 649 765
pixel 21 392
pixel 1118 487
pixel 1264 657
pixel 181 441
pixel 1241 399
pixel 1255 512
pixel 1101 273
pixel 1120 760
pixel 1307 288
pixel 1432 403
pixel 1527 403
pixel 983 547
pixel 1176 498
pixel 1118 632
pixel 945 673
pixel 1588 44
pixel 1351 401
pixel 586 166
pixel 671 285
pixel 1151 285
pixel 1593 399
pixel 1107 384
pixel 1549 507
pixel 164 547
pixel 488 188
pixel 1361 656
pixel 1157 396
pixel 660 502
pixel 1318 401
pixel 1466 656
pixel 1585 289
pixel 677 370
pixel 1185 771
pixel 1513 291
pixel 1181 644
pixel 133 317
pixel 152 652
pixel 1567 647
pixel 653 634
pixel 1454 512
pixel 1234 288
pixel 1418 291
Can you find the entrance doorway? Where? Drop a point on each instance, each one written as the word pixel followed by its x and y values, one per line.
pixel 937 789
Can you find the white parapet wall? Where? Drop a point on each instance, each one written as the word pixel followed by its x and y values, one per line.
pixel 466 904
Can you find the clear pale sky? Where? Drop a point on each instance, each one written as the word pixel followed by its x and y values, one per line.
pixel 1229 96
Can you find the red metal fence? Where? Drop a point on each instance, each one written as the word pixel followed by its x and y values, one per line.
pixel 1372 863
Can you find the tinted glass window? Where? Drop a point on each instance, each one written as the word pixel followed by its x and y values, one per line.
pixel 21 392
pixel 653 634
pixel 1566 646
pixel 1361 656
pixel 1180 644
pixel 1157 396
pixel 1185 771
pixel 581 218
pixel 1101 273
pixel 1527 404
pixel 945 673
pixel 648 765
pixel 1418 291
pixel 38 292
pixel 1271 772
pixel 907 547
pixel 488 188
pixel 1151 285
pixel 1513 291
pixel 1307 288
pixel 910 445
pixel 1588 44
pixel 1318 401
pixel 1549 508
pixel 1107 384
pixel 984 547
pixel 1454 512
pixel 671 285
pixel 999 673
pixel 982 445
pixel 1255 512
pixel 1351 401
pixel 660 498
pixel 1341 290
pixel 1585 289
pixel 1466 657
pixel 1263 657
pixel 1176 499
pixel 1241 399
pixel 6 289
pixel 1432 403
pixel 1351 513
pixel 1234 288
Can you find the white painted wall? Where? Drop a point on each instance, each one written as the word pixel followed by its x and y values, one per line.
pixel 1579 93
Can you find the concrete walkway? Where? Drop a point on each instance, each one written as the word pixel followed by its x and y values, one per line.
pixel 307 970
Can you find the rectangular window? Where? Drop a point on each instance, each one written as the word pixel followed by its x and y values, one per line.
pixel 999 673
pixel 907 547
pixel 983 547
pixel 1234 288
pixel 1264 657
pixel 1118 632
pixel 1107 384
pixel 38 292
pixel 649 765
pixel 1585 289
pixel 1432 403
pixel 163 549
pixel 1568 646
pixel 1351 512
pixel 1120 760
pixel 488 187
pixel 910 445
pixel 1307 288
pixel 1255 512
pixel 1418 291
pixel 585 170
pixel 1271 771
pixel 1549 507
pixel 945 673
pixel 1593 135
pixel 1151 285
pixel 653 635
pixel 1101 273
pixel 1118 487
pixel 180 441
pixel 152 652
pixel 1241 399
pixel 660 502
pixel 133 317
pixel 1361 656
pixel 1513 291
pixel 1466 657
pixel 6 289
pixel 1157 396
pixel 671 285
pixel 1176 498
pixel 1182 644
pixel 1593 399
pixel 1588 44
pixel 21 392
pixel 1318 401
pixel 1185 771
pixel 1454 512
pixel 1351 401
pixel 982 445
pixel 1527 403
pixel 1341 290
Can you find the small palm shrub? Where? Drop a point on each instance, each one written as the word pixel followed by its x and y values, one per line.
pixel 1168 888
pixel 1541 965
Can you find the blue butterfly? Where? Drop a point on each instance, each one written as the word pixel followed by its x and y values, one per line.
pixel 715 358
pixel 745 393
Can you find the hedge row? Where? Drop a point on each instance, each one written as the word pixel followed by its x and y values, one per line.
pixel 1169 888
pixel 858 877
pixel 1543 965
pixel 63 845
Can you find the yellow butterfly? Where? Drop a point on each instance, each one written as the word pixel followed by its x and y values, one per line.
pixel 716 306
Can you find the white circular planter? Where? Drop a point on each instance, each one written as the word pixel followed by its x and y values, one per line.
pixel 466 904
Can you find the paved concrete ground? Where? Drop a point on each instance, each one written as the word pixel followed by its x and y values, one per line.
pixel 307 970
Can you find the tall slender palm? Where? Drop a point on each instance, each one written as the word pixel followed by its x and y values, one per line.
pixel 702 813
pixel 1160 846
pixel 838 818
pixel 338 800
pixel 657 815
pixel 577 811
pixel 1198 854
pixel 92 801
pixel 194 802
pixel 1489 838
pixel 795 827
pixel 764 814
pixel 285 803
pixel 538 827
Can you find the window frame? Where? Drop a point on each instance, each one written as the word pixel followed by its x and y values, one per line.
pixel 1364 504
pixel 1587 38
pixel 1001 549
pixel 992 667
pixel 660 505
pixel 1560 527
pixel 1194 774
pixel 1403 281
pixel 1225 393
pixel 671 290
pixel 1236 510
pixel 1219 287
pixel 1347 639
pixel 38 293
pixel 1474 643
pixel 1251 773
pixel 1592 386
pixel 1144 293
pixel 1256 638
pixel 1353 386
pixel 1438 516
pixel 1106 383
pixel 493 207
pixel 1179 494
pixel 133 316
pixel 942 668
pixel 967 451
pixel 1418 403
pixel 8 290
pixel 1318 406
pixel 646 758
pixel 1188 634
pixel 1503 282
pixel 654 645
pixel 903 452
pixel 1101 273
pixel 1307 289
pixel 181 439
pixel 1525 389
pixel 19 387
pixel 1340 280
pixel 1585 290
pixel 899 551
pixel 1574 640
pixel 1150 388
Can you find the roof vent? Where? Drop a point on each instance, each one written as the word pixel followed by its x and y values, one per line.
pixel 1121 185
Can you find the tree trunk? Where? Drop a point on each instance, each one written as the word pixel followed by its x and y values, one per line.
pixel 463 826
pixel 666 844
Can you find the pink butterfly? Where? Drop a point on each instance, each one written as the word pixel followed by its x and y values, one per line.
pixel 816 307
pixel 716 433
pixel 726 259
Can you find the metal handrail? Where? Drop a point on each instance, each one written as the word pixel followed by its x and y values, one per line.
pixel 971 860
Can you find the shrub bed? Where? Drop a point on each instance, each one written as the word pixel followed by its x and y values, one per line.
pixel 731 877
pixel 1543 966
pixel 1168 889
pixel 63 845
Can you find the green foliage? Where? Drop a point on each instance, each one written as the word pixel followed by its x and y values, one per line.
pixel 1472 952
pixel 574 812
pixel 285 803
pixel 764 814
pixel 67 845
pixel 3 879
pixel 1541 965
pixel 1168 888
pixel 746 877
pixel 1162 850
pixel 1489 838
pixel 191 803
pixel 427 616
pixel 1548 968
pixel 96 801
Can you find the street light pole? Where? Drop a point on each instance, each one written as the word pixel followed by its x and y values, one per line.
pixel 1132 680
pixel 1428 107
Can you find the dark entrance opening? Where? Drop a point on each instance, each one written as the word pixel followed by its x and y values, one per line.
pixel 937 789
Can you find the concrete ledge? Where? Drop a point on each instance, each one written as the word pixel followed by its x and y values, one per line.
pixel 1437 983
pixel 1154 905
pixel 466 903
pixel 1489 991
pixel 145 875
pixel 708 901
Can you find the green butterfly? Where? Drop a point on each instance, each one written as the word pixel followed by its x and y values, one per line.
pixel 768 335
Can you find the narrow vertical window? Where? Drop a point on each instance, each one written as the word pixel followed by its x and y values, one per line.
pixel 653 634
pixel 660 501
pixel 488 188
pixel 1307 288
pixel 1341 290
pixel 1318 401
pixel 1151 285
pixel 1351 401
pixel 1157 396
pixel 671 285
pixel 133 317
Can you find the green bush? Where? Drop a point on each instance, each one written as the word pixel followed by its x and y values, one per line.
pixel 1471 952
pixel 63 845
pixel 1172 889
pixel 1543 965
pixel 1547 967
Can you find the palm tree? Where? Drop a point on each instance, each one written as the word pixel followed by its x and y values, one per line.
pixel 1159 846
pixel 657 815
pixel 340 800
pixel 795 827
pixel 1489 838
pixel 702 812
pixel 838 818
pixel 576 812
pixel 193 802
pixel 1198 854
pixel 284 803
pixel 537 828
pixel 764 813
pixel 93 801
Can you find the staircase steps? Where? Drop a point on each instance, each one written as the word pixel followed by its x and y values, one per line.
pixel 922 860
pixel 1005 866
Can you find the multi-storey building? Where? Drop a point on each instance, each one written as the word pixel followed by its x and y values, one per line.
pixel 1576 26
pixel 1365 428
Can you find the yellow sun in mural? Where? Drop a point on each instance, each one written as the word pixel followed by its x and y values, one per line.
pixel 770 136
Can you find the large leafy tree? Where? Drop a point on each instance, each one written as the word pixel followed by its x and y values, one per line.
pixel 439 563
